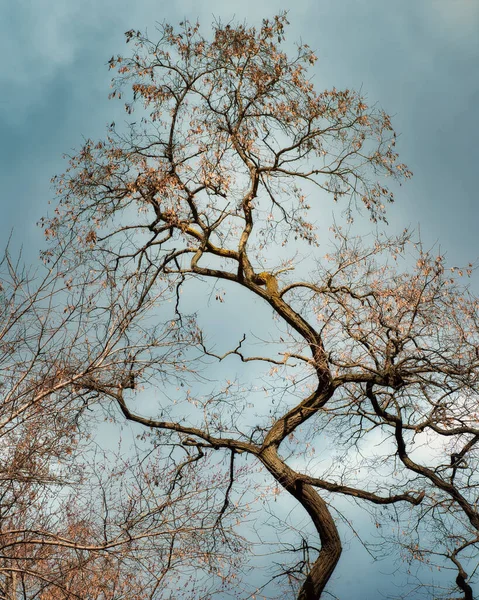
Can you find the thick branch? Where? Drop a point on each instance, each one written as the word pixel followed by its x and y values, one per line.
pixel 447 487
pixel 364 495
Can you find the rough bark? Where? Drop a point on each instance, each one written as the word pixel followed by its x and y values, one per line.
pixel 318 510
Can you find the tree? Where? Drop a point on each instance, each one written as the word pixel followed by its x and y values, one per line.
pixel 209 187
pixel 77 522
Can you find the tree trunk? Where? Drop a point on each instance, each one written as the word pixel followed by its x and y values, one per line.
pixel 317 509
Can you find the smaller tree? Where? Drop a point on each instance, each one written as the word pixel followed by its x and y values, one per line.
pixel 77 521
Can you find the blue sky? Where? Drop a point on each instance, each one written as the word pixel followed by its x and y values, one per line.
pixel 419 59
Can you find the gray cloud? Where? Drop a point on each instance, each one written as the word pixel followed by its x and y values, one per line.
pixel 419 60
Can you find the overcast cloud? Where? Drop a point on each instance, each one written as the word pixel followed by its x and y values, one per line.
pixel 419 59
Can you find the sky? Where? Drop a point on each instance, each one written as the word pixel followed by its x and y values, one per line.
pixel 418 59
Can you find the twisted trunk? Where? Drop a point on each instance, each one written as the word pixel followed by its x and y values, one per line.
pixel 317 509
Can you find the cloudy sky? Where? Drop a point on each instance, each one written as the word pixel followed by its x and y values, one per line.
pixel 418 59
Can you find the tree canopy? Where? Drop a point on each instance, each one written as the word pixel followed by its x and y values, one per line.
pixel 365 381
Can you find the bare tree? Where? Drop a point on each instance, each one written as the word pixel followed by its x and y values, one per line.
pixel 77 521
pixel 205 194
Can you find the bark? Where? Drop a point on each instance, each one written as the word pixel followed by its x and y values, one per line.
pixel 318 510
pixel 465 587
pixel 461 579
